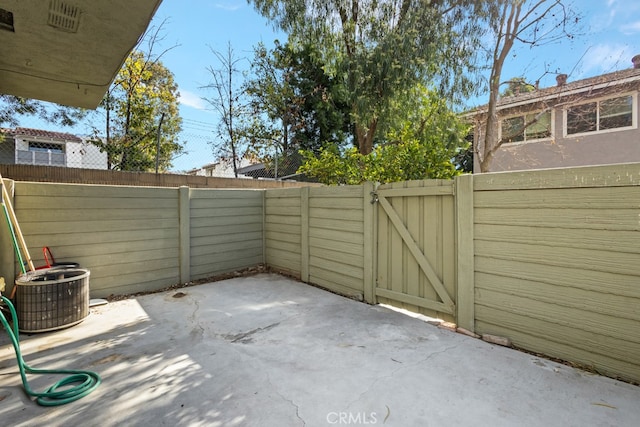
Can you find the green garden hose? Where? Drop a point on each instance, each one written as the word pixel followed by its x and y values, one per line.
pixel 85 381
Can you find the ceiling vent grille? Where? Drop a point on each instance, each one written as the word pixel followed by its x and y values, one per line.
pixel 64 16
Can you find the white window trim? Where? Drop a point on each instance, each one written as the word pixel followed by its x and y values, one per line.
pixel 634 115
pixel 528 141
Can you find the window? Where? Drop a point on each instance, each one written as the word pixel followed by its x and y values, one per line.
pixel 528 127
pixel 46 147
pixel 612 113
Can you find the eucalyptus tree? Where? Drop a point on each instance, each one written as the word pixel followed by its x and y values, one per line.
pixel 383 48
pixel 296 104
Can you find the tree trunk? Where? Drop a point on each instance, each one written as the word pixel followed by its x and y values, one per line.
pixel 364 137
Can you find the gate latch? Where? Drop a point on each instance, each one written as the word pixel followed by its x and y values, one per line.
pixel 374 197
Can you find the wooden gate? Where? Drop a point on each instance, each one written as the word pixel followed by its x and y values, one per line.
pixel 416 247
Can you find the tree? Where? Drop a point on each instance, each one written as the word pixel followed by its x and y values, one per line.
pixel 14 107
pixel 382 48
pixel 228 101
pixel 516 86
pixel 142 120
pixel 532 23
pixel 422 144
pixel 295 104
pixel 141 111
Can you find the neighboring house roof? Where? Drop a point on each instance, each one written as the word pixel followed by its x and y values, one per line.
pixel 591 83
pixel 602 81
pixel 41 134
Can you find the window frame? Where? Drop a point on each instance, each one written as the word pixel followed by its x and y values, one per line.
pixel 528 141
pixel 61 145
pixel 597 101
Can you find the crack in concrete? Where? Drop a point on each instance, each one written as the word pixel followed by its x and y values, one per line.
pixel 290 401
pixel 198 334
pixel 245 337
pixel 399 368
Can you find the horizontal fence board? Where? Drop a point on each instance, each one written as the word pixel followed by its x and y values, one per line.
pixel 277 228
pixel 563 349
pixel 337 224
pixel 620 175
pixel 53 214
pixel 336 203
pixel 211 269
pixel 222 230
pixel 281 211
pixel 575 277
pixel 226 249
pixel 283 259
pixel 71 203
pixel 198 195
pixel 46 227
pixel 588 301
pixel 337 235
pixel 214 221
pixel 604 219
pixel 251 211
pixel 283 237
pixel 226 239
pixel 339 214
pixel 575 198
pixel 82 191
pixel 345 191
pixel 281 193
pixel 353 260
pixel 335 281
pixel 292 221
pixel 133 284
pixel 337 267
pixel 444 190
pixel 588 259
pixel 609 240
pixel 80 240
pixel 615 357
pixel 343 247
pixel 531 309
pixel 284 246
pixel 229 257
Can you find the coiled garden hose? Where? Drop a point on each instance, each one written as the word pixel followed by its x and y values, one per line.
pixel 85 381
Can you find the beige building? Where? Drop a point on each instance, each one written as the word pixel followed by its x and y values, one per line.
pixel 593 121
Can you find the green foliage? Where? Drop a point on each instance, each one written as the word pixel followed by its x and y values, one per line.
pixel 295 104
pixel 421 145
pixel 13 107
pixel 142 100
pixel 516 86
pixel 382 49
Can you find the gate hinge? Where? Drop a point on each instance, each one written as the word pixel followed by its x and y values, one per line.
pixel 374 197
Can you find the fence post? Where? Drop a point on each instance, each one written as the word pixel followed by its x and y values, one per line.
pixel 369 255
pixel 8 258
pixel 184 208
pixel 304 234
pixel 465 289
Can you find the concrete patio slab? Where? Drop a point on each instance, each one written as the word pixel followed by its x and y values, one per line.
pixel 269 351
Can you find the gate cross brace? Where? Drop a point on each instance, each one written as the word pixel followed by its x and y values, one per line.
pixel 435 281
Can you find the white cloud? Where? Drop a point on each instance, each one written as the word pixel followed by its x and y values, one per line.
pixel 229 6
pixel 190 99
pixel 605 58
pixel 631 28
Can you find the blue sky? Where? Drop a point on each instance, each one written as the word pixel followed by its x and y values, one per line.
pixel 610 36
